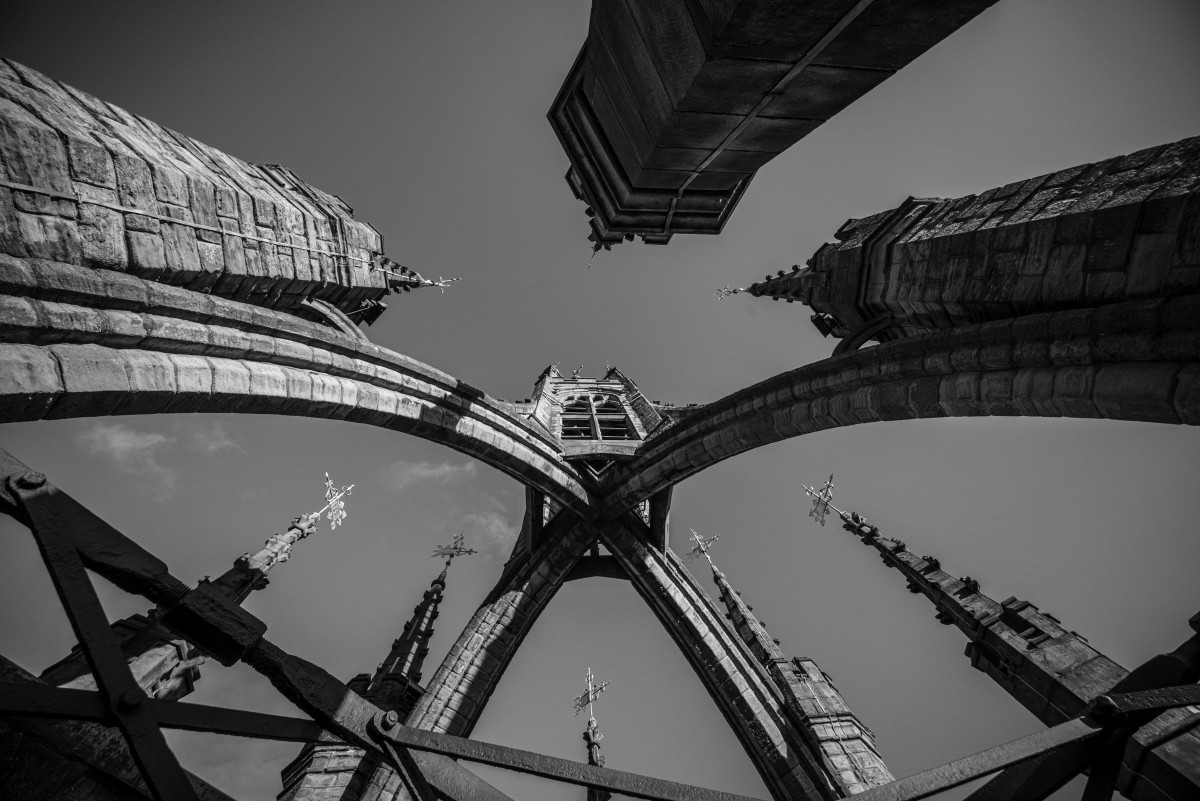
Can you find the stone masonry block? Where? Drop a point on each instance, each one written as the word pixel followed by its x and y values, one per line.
pixel 1073 391
pixel 135 183
pixel 50 237
pixel 147 258
pixel 29 382
pixel 180 252
pixel 1033 390
pixel 151 382
pixel 1133 391
pixel 102 238
pixel 230 383
pixel 94 380
pixel 91 163
pixel 193 383
pixel 171 186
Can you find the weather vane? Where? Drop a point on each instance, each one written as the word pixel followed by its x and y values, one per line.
pixel 701 547
pixel 453 549
pixel 334 503
pixel 586 699
pixel 821 502
pixel 410 276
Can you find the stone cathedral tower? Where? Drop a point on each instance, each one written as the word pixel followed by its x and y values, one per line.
pixel 144 272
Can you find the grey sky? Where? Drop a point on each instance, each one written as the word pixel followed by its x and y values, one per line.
pixel 429 119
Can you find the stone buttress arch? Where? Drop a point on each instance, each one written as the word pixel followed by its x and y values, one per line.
pixel 80 342
pixel 1135 360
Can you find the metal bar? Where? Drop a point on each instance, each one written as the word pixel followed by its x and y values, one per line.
pixel 103 549
pixel 548 767
pixel 1106 767
pixel 41 701
pixel 1039 777
pixel 412 777
pixel 1159 698
pixel 961 771
pixel 52 520
pixel 345 714
pixel 453 781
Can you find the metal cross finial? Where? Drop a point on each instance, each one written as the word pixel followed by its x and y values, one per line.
pixel 701 547
pixel 453 549
pixel 334 503
pixel 821 502
pixel 586 699
pixel 727 291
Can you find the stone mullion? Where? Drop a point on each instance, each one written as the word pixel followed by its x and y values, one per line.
pixel 735 680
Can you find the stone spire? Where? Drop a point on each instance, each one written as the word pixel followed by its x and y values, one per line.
pixel 846 746
pixel 396 682
pixel 165 666
pixel 1055 673
pixel 345 773
pixel 796 285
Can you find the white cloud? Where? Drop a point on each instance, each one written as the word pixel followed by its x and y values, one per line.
pixel 132 452
pixel 491 529
pixel 399 475
pixel 211 438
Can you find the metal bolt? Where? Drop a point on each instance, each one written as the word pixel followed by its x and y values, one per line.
pixel 390 720
pixel 131 699
pixel 31 480
pixel 1104 707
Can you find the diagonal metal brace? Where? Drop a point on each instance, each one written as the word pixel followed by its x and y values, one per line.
pixel 1078 740
pixel 385 728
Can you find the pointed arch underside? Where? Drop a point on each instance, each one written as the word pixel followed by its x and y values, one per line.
pixel 785 756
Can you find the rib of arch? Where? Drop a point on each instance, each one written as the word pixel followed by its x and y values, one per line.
pixel 81 342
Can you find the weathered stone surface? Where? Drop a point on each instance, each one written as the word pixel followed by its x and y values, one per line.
pixel 115 337
pixel 1107 362
pixel 670 109
pixel 1103 232
pixel 66 142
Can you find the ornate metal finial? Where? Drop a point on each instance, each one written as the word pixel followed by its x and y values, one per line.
pixel 701 547
pixel 408 277
pixel 453 550
pixel 334 504
pixel 585 699
pixel 727 291
pixel 821 502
